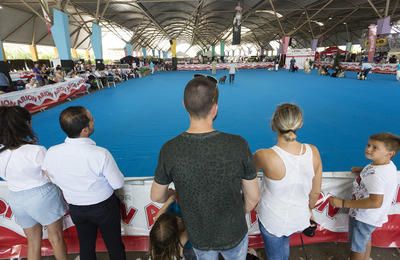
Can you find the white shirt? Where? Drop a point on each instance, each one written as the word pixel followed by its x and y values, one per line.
pixel 87 174
pixel 22 167
pixel 30 86
pixel 284 204
pixel 232 68
pixel 375 179
pixel 97 74
pixel 366 65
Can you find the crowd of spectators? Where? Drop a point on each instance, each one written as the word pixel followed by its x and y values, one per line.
pixel 42 75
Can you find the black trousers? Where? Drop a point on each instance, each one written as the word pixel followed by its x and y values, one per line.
pixel 231 78
pixel 105 216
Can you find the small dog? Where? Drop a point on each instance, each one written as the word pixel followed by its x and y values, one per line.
pixel 361 76
pixel 222 80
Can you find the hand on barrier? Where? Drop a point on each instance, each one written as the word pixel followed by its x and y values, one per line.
pixel 335 202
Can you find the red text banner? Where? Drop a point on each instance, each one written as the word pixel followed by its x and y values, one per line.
pixel 40 98
pixel 138 211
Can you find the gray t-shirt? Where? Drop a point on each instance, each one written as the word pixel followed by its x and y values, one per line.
pixel 207 170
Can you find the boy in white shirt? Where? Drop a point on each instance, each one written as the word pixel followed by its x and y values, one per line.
pixel 374 191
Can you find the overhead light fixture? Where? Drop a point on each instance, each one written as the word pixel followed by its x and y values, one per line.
pixel 270 12
pixel 319 23
pixel 330 18
pixel 1 7
pixel 344 23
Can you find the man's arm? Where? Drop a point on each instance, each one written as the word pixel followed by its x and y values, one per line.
pixel 159 193
pixel 251 193
pixel 112 173
pixel 164 208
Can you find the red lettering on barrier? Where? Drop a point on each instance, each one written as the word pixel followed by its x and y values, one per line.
pixel 127 215
pixel 151 212
pixel 26 98
pixel 7 103
pixel 5 209
pixel 319 201
pixel 44 94
pixel 397 197
pixel 253 217
pixel 332 211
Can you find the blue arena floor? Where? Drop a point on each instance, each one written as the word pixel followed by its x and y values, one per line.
pixel 136 118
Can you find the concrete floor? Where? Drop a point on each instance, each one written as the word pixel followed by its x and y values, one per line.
pixel 326 251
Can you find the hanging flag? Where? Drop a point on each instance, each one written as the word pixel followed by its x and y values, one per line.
pixel 384 26
pixel 45 10
pixel 371 42
pixel 237 25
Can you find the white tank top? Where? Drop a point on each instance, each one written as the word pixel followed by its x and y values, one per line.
pixel 284 204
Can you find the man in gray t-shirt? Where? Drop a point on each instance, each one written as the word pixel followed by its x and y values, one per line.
pixel 214 177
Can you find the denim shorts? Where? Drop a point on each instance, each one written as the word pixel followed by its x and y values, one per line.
pixel 41 205
pixel 276 248
pixel 239 252
pixel 359 235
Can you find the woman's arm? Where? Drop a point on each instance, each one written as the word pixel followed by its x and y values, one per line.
pixel 317 180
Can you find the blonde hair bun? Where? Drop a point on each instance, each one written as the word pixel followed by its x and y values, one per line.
pixel 286 120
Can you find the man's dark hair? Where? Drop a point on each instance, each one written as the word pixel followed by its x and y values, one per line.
pixel 73 120
pixel 199 97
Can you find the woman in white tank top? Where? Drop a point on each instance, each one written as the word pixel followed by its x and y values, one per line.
pixel 291 183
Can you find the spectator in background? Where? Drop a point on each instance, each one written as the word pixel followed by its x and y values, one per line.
pixel 4 82
pixel 398 71
pixel 45 74
pixel 152 67
pixel 31 84
pixel 393 59
pixel 214 67
pixel 38 74
pixel 292 64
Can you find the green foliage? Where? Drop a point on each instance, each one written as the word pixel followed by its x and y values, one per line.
pixel 144 69
pixel 18 54
pixel 47 56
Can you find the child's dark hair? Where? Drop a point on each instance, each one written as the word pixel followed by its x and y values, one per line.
pixel 15 127
pixel 164 238
pixel 391 141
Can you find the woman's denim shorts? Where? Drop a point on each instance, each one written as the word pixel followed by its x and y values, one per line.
pixel 41 205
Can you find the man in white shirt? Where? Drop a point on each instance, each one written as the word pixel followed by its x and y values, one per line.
pixel 232 71
pixel 87 175
pixel 366 67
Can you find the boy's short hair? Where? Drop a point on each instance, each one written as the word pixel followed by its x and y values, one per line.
pixel 391 141
pixel 199 97
pixel 73 120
